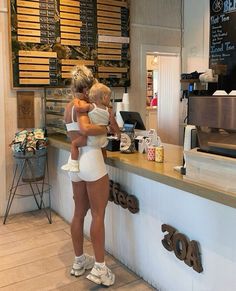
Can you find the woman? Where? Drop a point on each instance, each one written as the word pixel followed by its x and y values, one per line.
pixel 154 100
pixel 90 188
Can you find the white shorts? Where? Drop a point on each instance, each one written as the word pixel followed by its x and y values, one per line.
pixel 100 141
pixel 91 164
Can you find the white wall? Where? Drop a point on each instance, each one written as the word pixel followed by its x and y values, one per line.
pixel 153 27
pixel 195 53
pixel 2 127
pixel 3 5
pixel 8 117
pixel 196 35
pixel 4 76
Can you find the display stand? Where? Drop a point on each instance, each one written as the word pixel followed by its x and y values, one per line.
pixel 31 171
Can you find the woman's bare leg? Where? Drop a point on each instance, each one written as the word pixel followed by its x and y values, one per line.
pixel 98 193
pixel 81 207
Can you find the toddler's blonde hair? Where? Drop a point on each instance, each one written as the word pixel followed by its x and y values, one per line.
pixel 98 92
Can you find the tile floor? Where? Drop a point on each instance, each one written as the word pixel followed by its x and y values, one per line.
pixel 35 255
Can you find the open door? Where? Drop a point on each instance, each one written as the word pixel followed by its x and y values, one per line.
pixel 168 98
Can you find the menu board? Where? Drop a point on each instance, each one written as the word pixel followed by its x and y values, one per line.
pixel 223 40
pixel 113 40
pixel 48 38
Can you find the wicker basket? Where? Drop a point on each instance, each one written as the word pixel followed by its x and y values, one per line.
pixel 32 163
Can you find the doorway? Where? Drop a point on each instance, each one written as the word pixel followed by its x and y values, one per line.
pixel 151 90
pixel 164 70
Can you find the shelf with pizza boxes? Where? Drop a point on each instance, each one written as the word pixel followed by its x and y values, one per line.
pixel 56 100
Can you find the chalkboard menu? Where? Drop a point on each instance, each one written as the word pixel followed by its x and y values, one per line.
pixel 223 42
pixel 48 38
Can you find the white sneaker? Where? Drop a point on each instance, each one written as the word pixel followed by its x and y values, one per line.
pixel 79 268
pixel 71 166
pixel 102 276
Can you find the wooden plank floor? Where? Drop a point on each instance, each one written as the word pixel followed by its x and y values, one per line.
pixel 35 255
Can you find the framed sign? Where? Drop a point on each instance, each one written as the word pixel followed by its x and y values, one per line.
pixel 48 38
pixel 223 42
pixel 25 109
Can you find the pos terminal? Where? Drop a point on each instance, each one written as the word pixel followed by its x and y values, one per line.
pixel 132 121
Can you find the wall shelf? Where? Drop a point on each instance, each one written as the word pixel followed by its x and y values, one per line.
pixel 149 86
pixel 56 100
pixel 190 81
pixel 194 81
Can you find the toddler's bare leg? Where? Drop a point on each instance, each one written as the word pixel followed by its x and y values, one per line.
pixel 73 163
pixel 74 149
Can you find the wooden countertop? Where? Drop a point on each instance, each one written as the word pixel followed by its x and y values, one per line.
pixel 161 172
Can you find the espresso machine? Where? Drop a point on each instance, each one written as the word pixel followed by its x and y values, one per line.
pixel 215 120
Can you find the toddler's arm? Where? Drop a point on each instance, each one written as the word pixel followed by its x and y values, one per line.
pixel 80 141
pixel 113 124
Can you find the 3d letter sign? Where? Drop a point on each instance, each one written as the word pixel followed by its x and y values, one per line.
pixel 122 198
pixel 184 249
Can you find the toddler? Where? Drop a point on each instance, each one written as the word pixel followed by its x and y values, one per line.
pixel 99 113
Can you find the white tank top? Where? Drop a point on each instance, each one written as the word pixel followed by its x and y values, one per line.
pixel 96 115
pixel 72 126
pixel 99 115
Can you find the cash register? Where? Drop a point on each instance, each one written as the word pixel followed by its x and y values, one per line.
pixel 132 121
pixel 132 118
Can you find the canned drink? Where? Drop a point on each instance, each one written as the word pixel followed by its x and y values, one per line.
pixel 151 153
pixel 159 154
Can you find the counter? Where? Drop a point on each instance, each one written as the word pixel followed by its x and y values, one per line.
pixel 199 213
pixel 161 172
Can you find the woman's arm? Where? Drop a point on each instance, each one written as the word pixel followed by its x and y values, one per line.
pixel 82 106
pixel 67 113
pixel 86 128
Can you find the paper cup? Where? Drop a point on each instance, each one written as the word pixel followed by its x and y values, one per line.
pixel 125 99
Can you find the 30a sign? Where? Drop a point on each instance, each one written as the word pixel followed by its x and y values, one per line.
pixel 122 198
pixel 184 249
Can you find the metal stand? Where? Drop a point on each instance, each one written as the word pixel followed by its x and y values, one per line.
pixel 31 170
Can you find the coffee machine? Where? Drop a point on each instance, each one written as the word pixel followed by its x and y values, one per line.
pixel 215 121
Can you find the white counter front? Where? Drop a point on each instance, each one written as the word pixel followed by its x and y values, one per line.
pixel 135 239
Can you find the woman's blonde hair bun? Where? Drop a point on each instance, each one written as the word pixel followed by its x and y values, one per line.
pixel 82 78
